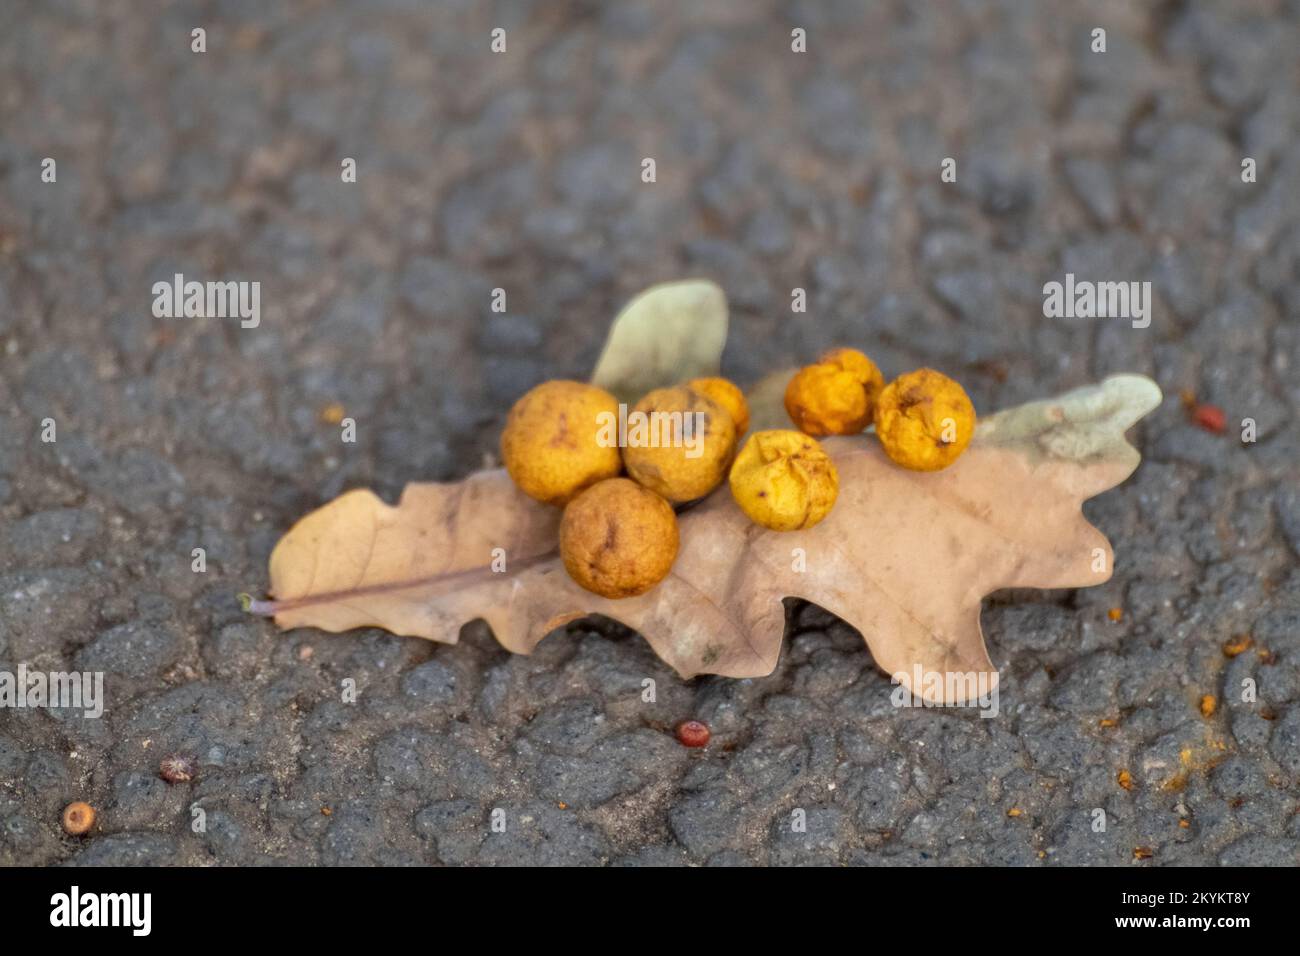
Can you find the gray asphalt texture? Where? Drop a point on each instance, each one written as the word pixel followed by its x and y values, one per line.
pixel 521 170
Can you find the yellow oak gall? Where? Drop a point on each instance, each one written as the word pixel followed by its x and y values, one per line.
pixel 924 420
pixel 550 444
pixel 680 443
pixel 835 396
pixel 618 539
pixel 784 480
pixel 727 394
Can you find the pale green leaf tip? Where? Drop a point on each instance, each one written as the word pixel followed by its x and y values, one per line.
pixel 665 334
pixel 1086 422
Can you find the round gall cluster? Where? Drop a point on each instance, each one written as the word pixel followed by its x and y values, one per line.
pixel 618 474
pixel 568 443
pixel 924 419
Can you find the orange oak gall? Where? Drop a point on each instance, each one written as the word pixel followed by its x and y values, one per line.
pixel 924 420
pixel 836 395
pixel 618 539
pixel 550 444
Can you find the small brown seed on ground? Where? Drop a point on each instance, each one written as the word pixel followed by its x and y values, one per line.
pixel 78 817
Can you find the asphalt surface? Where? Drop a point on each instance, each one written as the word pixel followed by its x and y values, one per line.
pixel 521 170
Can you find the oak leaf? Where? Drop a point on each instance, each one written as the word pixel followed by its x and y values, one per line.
pixel 905 557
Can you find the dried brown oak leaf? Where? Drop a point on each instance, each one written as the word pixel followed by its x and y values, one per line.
pixel 905 557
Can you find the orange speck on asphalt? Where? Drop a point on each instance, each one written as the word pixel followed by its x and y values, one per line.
pixel 1211 418
pixel 1208 705
pixel 1125 780
pixel 332 414
pixel 1143 853
pixel 1116 614
pixel 1236 644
